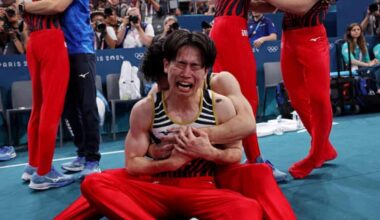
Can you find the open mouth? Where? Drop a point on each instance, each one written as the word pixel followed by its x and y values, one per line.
pixel 184 86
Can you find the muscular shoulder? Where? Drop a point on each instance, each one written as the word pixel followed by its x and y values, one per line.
pixel 143 109
pixel 225 83
pixel 224 109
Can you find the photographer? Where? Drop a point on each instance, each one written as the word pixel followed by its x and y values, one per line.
pixel 105 36
pixel 371 22
pixel 154 11
pixel 134 33
pixel 12 32
pixel 170 25
pixel 111 19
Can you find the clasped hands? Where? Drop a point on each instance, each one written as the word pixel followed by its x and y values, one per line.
pixel 185 141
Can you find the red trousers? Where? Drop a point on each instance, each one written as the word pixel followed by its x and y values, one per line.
pixel 234 54
pixel 122 197
pixel 49 71
pixel 305 63
pixel 254 181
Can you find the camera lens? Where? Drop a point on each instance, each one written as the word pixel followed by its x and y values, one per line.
pixel 10 12
pixel 133 19
pixel 101 27
pixel 174 26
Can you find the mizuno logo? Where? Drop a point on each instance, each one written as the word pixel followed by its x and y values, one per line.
pixel 54 179
pixel 84 75
pixel 314 39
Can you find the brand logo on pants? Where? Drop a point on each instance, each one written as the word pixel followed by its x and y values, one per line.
pixel 314 39
pixel 84 75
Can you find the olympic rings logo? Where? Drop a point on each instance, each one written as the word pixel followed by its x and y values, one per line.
pixel 139 56
pixel 272 49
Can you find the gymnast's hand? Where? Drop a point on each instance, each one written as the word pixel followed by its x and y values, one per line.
pixel 194 142
pixel 179 159
pixel 160 151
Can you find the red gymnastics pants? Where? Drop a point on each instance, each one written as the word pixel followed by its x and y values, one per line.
pixel 49 71
pixel 120 196
pixel 254 181
pixel 234 54
pixel 305 63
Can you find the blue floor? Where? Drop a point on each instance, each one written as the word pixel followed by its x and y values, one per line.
pixel 347 188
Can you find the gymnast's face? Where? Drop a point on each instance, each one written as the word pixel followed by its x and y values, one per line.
pixel 186 73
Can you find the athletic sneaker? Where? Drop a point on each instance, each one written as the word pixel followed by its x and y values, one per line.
pixel 89 168
pixel 28 172
pixel 278 174
pixel 53 179
pixel 7 153
pixel 75 165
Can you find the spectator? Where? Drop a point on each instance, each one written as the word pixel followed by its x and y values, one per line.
pixel 13 33
pixel 111 19
pixel 100 5
pixel 154 12
pixel 186 8
pixel 211 7
pixel 105 36
pixel 260 29
pixel 202 7
pixel 133 32
pixel 371 22
pixel 376 52
pixel 206 27
pixel 356 47
pixel 170 25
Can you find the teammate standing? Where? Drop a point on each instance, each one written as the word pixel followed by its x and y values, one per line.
pixel 49 71
pixel 81 110
pixel 234 54
pixel 305 63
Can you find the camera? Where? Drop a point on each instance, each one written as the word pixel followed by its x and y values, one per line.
pixel 10 12
pixel 108 12
pixel 133 19
pixel 101 27
pixel 7 26
pixel 373 8
pixel 174 26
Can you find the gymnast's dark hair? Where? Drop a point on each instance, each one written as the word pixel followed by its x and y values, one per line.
pixel 153 64
pixel 181 38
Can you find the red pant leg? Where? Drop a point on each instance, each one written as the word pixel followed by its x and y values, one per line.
pixel 219 204
pixel 256 181
pixel 234 54
pixel 34 120
pixel 122 197
pixel 80 209
pixel 50 53
pixel 306 71
pixel 117 196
